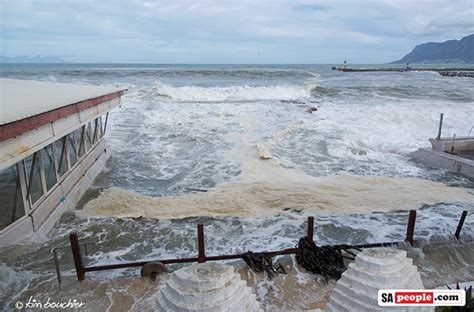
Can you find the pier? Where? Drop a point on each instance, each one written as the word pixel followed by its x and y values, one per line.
pixel 449 72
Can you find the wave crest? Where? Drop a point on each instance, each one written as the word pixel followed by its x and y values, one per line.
pixel 243 93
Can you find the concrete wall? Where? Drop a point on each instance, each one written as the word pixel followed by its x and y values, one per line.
pixel 453 145
pixel 442 160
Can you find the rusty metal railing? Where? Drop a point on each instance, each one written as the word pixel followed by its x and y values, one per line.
pixel 54 251
pixel 82 269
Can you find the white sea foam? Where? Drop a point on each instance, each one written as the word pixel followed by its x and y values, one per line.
pixel 265 187
pixel 232 93
pixel 369 137
pixel 13 283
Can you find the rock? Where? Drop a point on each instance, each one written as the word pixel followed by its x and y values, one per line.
pixel 311 110
pixel 456 73
pixel 207 287
pixel 372 270
pixel 153 269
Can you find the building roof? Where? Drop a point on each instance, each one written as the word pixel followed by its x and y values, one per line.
pixel 20 99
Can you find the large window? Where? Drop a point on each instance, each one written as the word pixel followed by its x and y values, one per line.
pixel 87 137
pixel 60 153
pixel 33 172
pixel 49 166
pixel 101 126
pixel 73 154
pixel 81 146
pixel 11 199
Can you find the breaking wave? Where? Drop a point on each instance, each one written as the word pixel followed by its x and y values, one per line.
pixel 243 93
pixel 180 72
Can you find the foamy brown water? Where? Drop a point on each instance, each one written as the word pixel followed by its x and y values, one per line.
pixel 329 195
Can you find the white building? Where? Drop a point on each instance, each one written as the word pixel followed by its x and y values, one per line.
pixel 51 149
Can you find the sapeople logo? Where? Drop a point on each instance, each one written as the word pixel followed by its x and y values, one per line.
pixel 432 297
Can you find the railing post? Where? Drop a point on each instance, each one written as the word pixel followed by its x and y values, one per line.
pixel 201 251
pixel 440 126
pixel 56 265
pixel 460 224
pixel 411 227
pixel 310 230
pixel 76 254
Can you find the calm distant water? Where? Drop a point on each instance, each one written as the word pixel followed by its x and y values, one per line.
pixel 178 122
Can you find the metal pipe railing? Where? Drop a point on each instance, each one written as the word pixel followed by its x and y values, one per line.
pixel 440 126
pixel 56 258
pixel 411 227
pixel 460 224
pixel 81 269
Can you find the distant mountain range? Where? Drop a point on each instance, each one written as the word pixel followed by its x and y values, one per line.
pixel 31 59
pixel 451 51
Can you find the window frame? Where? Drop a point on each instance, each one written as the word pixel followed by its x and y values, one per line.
pixel 94 130
pixel 22 191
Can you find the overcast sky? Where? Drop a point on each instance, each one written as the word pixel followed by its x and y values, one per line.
pixel 254 31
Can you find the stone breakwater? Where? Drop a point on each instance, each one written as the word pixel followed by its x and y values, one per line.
pixel 457 74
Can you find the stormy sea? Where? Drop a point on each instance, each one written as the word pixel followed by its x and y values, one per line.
pixel 251 151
